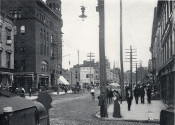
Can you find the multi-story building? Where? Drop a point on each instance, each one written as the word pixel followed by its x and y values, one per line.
pixel 6 49
pixel 87 76
pixel 163 49
pixel 38 42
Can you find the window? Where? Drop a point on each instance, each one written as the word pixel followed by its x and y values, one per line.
pixel 19 13
pixel 8 34
pixel 44 66
pixel 8 56
pixel 50 5
pixel 47 37
pixel 23 65
pixel 51 53
pixel 41 49
pixel 15 64
pixel 22 49
pixel 54 6
pixel 23 30
pixel 41 36
pixel 15 13
pixel 51 39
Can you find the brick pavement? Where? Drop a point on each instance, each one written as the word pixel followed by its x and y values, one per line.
pixel 80 109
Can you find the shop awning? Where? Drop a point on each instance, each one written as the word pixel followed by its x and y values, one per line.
pixel 62 80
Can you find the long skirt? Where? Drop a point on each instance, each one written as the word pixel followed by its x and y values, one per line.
pixel 116 112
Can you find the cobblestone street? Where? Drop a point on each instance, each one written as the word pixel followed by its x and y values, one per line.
pixel 79 109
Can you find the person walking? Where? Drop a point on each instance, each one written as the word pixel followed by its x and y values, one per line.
pixel 129 98
pixel 93 93
pixel 45 99
pixel 136 94
pixel 116 113
pixel 142 94
pixel 149 94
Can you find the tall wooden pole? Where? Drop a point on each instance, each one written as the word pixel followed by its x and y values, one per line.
pixel 131 66
pixel 100 9
pixel 121 51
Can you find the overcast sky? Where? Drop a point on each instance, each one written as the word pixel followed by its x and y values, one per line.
pixel 83 35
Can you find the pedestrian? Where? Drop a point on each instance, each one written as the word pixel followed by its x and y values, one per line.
pixel 30 91
pixel 45 99
pixel 22 92
pixel 116 112
pixel 136 94
pixel 149 94
pixel 129 98
pixel 120 97
pixel 142 94
pixel 93 93
pixel 110 95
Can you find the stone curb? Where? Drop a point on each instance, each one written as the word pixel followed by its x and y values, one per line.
pixel 97 115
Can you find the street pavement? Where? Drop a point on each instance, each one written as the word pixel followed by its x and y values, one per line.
pixel 80 109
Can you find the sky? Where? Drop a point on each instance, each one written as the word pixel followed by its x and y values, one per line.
pixel 84 35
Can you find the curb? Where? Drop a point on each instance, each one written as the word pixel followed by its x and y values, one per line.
pixel 128 120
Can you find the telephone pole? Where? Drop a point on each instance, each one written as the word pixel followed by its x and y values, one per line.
pixel 90 55
pixel 121 51
pixel 103 107
pixel 78 68
pixel 131 62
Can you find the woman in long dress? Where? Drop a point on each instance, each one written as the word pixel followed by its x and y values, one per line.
pixel 116 112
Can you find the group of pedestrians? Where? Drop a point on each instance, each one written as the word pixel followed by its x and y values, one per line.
pixel 139 91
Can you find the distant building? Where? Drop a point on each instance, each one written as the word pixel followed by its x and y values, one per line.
pixel 38 42
pixel 87 75
pixel 6 49
pixel 163 49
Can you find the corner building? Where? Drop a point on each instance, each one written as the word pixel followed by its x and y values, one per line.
pixel 163 49
pixel 38 42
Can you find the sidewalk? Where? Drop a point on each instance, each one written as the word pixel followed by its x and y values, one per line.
pixel 139 112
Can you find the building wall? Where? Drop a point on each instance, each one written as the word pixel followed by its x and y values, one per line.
pixel 6 48
pixel 163 48
pixel 6 24
pixel 37 54
pixel 85 75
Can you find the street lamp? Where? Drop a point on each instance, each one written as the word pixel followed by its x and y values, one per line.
pixel 83 15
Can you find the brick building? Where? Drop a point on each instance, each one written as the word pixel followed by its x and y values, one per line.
pixel 6 50
pixel 38 42
pixel 163 49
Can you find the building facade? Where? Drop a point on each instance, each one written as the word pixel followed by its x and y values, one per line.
pixel 38 42
pixel 163 49
pixel 6 50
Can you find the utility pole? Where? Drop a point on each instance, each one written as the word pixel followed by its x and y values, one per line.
pixel 78 75
pixel 90 55
pixel 121 51
pixel 136 73
pixel 131 62
pixel 103 107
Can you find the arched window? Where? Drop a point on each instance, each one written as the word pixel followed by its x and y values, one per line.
pixel 23 29
pixel 44 66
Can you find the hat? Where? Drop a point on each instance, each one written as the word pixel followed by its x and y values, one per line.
pixel 7 110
